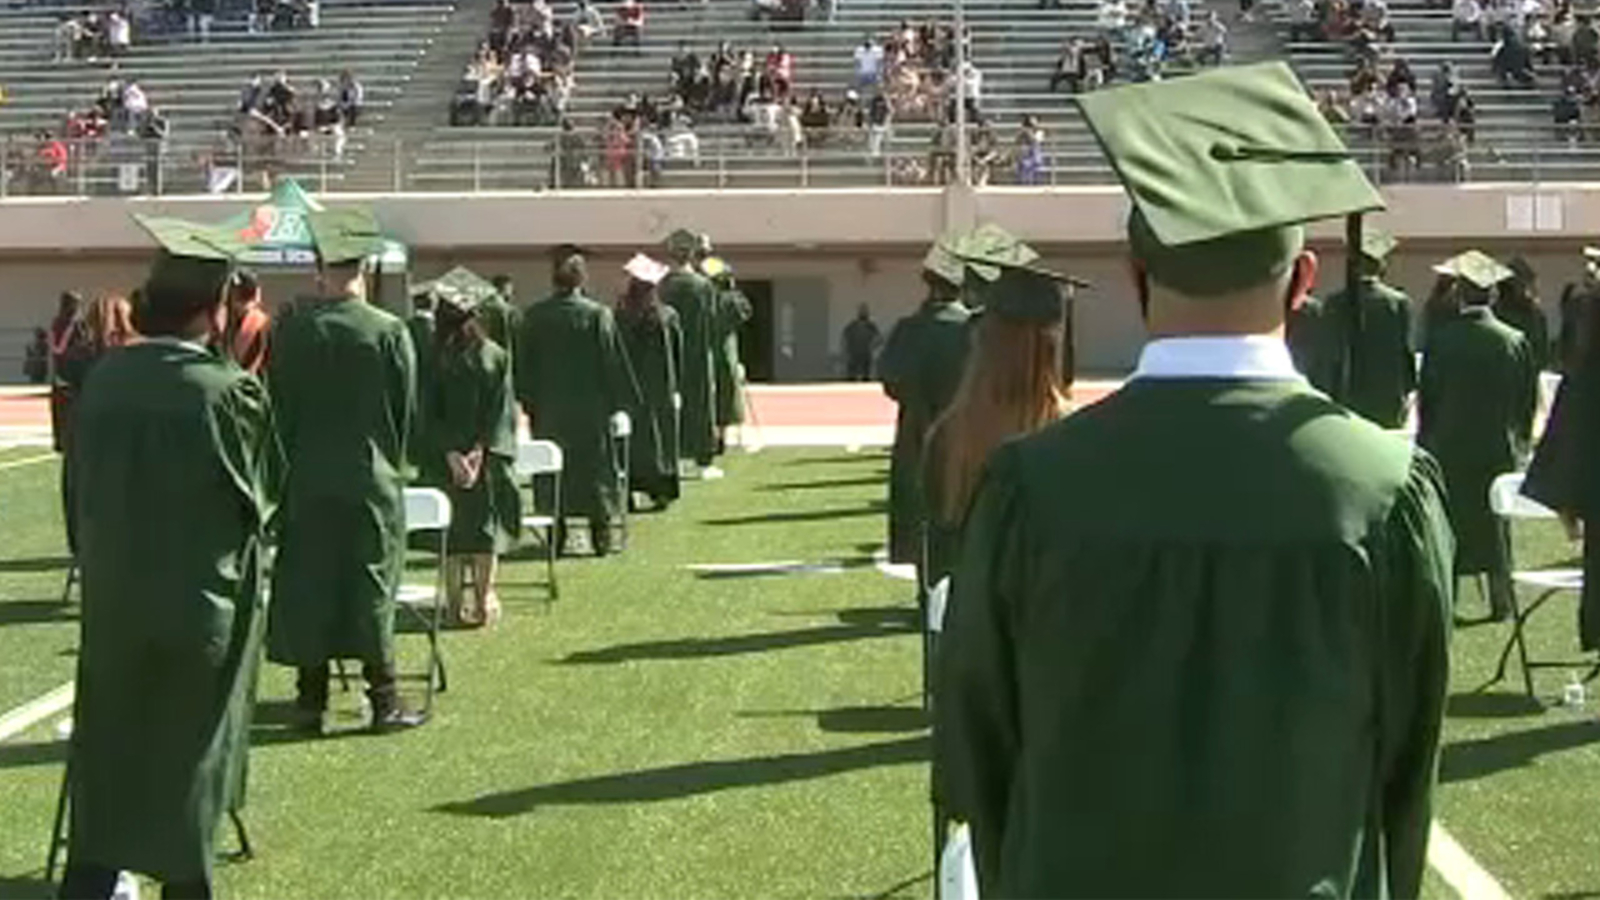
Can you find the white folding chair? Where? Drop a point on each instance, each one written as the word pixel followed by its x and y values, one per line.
pixel 621 434
pixel 428 509
pixel 535 460
pixel 1508 502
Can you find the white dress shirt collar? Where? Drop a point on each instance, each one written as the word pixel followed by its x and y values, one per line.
pixel 1252 356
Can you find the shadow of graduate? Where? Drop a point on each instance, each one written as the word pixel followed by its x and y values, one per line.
pixel 1470 760
pixel 734 645
pixel 877 478
pixel 35 753
pixel 35 565
pixel 875 508
pixel 36 612
pixel 1475 705
pixel 853 719
pixel 25 887
pixel 691 779
pixel 903 618
pixel 867 454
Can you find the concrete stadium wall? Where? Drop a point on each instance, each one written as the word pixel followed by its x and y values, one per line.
pixel 825 252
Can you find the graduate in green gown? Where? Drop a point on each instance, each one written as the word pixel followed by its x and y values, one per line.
pixel 497 314
pixel 343 381
pixel 1362 354
pixel 1576 301
pixel 1517 305
pixel 1475 409
pixel 175 458
pixel 733 310
pixel 469 438
pixel 694 298
pixel 1197 644
pixel 921 368
pixel 654 343
pixel 1563 475
pixel 571 378
pixel 421 325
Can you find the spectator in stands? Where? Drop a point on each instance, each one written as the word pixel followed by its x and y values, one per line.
pixel 868 63
pixel 780 72
pixel 1400 74
pixel 252 95
pixel 815 119
pixel 67 36
pixel 682 143
pixel 1069 68
pixel 325 116
pixel 588 22
pixel 135 104
pixel 1364 78
pixel 1511 61
pixel 972 86
pixel 879 118
pixel 985 153
pixel 1467 15
pixel 49 170
pixel 1303 25
pixel 501 18
pixel 1537 33
pixel 1498 17
pixel 942 154
pixel 1030 151
pixel 652 155
pixel 850 119
pixel 258 15
pixel 1213 40
pixel 1450 98
pixel 1399 118
pixel 1568 113
pixel 1366 108
pixel 765 115
pixel 352 97
pixel 1563 28
pixel 1112 19
pixel 630 24
pixel 202 13
pixel 1332 106
pixel 618 141
pixel 791 133
pixel 1586 43
pixel 119 34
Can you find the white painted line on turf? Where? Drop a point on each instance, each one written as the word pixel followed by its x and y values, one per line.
pixel 35 711
pixel 1459 870
pixel 19 463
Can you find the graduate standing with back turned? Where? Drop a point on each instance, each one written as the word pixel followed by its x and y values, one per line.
pixel 1362 339
pixel 1197 640
pixel 175 463
pixel 694 298
pixel 343 379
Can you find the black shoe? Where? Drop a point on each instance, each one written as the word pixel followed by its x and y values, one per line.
pixel 307 721
pixel 397 718
pixel 600 541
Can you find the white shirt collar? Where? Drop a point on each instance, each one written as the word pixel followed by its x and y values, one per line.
pixel 1255 356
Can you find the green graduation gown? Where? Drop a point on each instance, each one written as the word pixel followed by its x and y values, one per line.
pixel 470 405
pixel 921 368
pixel 733 310
pixel 1360 351
pixel 1197 647
pixel 1529 321
pixel 175 463
pixel 499 321
pixel 695 299
pixel 1561 476
pixel 1475 415
pixel 572 376
pixel 343 381
pixel 654 345
pixel 421 326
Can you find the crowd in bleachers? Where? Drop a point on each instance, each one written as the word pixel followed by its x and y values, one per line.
pixel 271 115
pixel 97 35
pixel 524 71
pixel 1152 36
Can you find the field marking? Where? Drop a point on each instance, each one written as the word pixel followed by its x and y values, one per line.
pixel 1459 870
pixel 19 463
pixel 36 710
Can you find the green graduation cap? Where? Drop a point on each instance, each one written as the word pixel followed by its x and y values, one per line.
pixel 988 248
pixel 1222 168
pixel 1024 291
pixel 187 240
pixel 682 243
pixel 1475 267
pixel 344 235
pixel 192 269
pixel 463 282
pixel 1377 244
pixel 942 263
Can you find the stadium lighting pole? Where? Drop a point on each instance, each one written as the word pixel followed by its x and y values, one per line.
pixel 963 169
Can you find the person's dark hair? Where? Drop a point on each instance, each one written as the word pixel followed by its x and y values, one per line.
pixel 640 304
pixel 503 284
pixel 67 307
pixel 455 329
pixel 176 292
pixel 939 290
pixel 571 274
pixel 242 286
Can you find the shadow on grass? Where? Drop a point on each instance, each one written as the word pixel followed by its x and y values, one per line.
pixel 825 567
pixel 36 612
pixel 1491 706
pixel 867 454
pixel 1471 760
pixel 1574 895
pixel 897 889
pixel 853 719
pixel 826 483
pixel 36 753
pixel 811 515
pixel 38 564
pixel 902 617
pixel 734 645
pixel 25 887
pixel 691 779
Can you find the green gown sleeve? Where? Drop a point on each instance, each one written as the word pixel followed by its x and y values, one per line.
pixel 1527 395
pixel 403 372
pixel 622 389
pixel 977 735
pixel 497 428
pixel 896 366
pixel 1417 617
pixel 524 368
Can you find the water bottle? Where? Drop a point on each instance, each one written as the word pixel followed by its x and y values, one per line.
pixel 1575 694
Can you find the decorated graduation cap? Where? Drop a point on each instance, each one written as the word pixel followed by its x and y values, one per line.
pixel 1377 244
pixel 1223 169
pixel 682 243
pixel 941 263
pixel 715 267
pixel 1476 268
pixel 643 268
pixel 1021 288
pixel 344 235
pixel 980 252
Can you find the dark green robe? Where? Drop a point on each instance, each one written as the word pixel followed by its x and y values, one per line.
pixel 654 345
pixel 1475 415
pixel 174 461
pixel 571 377
pixel 343 380
pixel 695 299
pixel 1316 354
pixel 733 310
pixel 421 326
pixel 1562 476
pixel 498 319
pixel 1529 321
pixel 1361 355
pixel 470 405
pixel 1197 647
pixel 921 368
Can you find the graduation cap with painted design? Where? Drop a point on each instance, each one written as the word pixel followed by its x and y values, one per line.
pixel 1377 244
pixel 646 269
pixel 1223 169
pixel 979 252
pixel 194 265
pixel 344 235
pixel 1021 288
pixel 682 243
pixel 1476 268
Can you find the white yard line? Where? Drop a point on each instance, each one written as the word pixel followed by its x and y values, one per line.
pixel 19 463
pixel 35 711
pixel 1457 867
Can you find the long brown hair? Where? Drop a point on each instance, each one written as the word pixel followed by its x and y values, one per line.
pixel 639 304
pixel 1012 385
pixel 106 322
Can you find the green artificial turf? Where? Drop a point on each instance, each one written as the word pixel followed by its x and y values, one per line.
pixel 661 733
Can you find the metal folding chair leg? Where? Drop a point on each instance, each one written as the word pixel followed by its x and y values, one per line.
pixel 246 850
pixel 73 577
pixel 58 837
